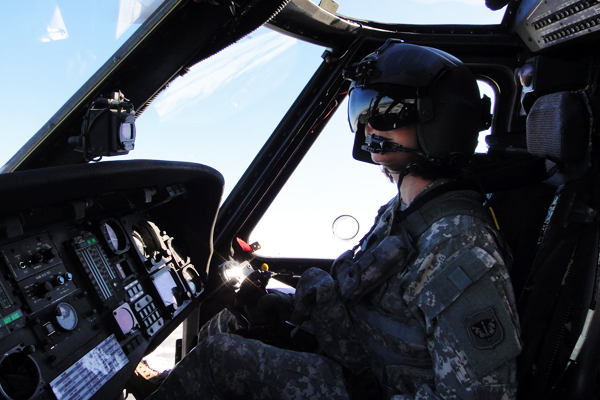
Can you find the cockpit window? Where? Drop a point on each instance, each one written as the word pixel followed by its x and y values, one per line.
pixel 223 111
pixel 219 114
pixel 52 48
pixel 49 50
pixel 330 201
pixel 421 12
pixel 485 89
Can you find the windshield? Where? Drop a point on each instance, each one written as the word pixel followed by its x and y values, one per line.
pixel 52 47
pixel 49 50
pixel 225 108
pixel 420 12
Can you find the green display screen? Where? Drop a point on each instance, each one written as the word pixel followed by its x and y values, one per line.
pixel 10 318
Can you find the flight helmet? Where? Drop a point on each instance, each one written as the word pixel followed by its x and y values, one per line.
pixel 401 83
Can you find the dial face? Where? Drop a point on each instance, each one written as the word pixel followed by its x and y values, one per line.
pixel 139 243
pixel 146 238
pixel 66 316
pixel 112 238
pixel 192 279
pixel 20 376
pixel 124 317
pixel 115 237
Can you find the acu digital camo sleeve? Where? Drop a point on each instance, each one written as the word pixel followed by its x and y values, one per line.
pixel 460 288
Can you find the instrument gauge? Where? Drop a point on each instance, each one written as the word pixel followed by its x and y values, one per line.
pixel 193 280
pixel 148 241
pixel 115 236
pixel 66 316
pixel 20 375
pixel 139 244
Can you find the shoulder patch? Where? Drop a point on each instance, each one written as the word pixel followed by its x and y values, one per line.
pixel 485 330
pixel 480 329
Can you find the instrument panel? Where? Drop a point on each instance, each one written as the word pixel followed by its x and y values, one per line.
pixel 543 24
pixel 99 272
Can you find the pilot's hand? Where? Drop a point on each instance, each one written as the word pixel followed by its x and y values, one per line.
pixel 273 307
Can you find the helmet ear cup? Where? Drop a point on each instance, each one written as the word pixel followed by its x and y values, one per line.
pixel 457 109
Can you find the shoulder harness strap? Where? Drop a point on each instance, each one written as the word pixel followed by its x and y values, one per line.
pixel 454 198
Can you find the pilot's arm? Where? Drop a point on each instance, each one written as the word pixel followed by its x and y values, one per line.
pixel 463 294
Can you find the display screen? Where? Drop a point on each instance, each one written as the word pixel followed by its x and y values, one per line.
pixel 10 318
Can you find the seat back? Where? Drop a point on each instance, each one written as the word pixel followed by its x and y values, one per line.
pixel 553 293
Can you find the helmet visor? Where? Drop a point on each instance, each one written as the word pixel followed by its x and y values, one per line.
pixel 383 113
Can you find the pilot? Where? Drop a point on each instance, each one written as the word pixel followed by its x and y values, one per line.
pixel 423 307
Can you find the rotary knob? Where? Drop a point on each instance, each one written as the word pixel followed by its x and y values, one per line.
pixel 37 258
pixel 43 288
pixel 48 255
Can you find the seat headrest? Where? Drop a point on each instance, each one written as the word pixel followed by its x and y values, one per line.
pixel 558 127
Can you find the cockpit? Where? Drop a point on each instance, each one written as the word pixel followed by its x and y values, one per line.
pixel 147 143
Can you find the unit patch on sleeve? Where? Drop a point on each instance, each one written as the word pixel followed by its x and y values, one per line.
pixel 484 329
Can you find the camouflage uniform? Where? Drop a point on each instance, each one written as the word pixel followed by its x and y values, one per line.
pixel 228 366
pixel 425 305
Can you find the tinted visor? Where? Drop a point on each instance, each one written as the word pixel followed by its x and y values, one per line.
pixel 382 112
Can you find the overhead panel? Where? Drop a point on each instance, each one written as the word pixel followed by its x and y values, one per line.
pixel 546 23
